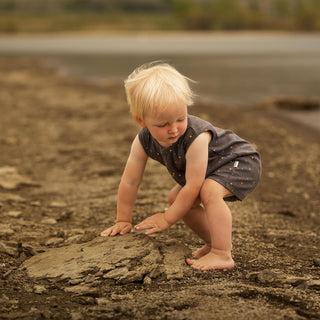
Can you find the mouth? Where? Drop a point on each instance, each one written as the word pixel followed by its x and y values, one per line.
pixel 173 138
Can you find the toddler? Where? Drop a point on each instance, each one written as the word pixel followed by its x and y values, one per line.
pixel 209 164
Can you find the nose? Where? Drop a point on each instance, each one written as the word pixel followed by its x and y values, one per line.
pixel 173 128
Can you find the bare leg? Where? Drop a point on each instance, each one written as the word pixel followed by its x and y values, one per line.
pixel 197 221
pixel 219 222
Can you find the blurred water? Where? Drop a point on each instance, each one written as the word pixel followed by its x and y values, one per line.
pixel 241 69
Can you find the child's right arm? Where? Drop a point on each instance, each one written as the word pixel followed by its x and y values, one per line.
pixel 128 189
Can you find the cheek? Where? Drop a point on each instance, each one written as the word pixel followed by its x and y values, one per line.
pixel 163 131
pixel 160 132
pixel 182 127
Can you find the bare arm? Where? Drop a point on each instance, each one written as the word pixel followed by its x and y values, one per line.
pixel 128 189
pixel 196 167
pixel 197 161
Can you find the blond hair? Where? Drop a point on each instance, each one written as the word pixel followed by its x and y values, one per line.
pixel 154 86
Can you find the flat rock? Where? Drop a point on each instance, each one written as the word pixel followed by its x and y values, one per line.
pixel 10 197
pixel 10 179
pixel 14 214
pixel 125 259
pixel 5 230
pixel 9 247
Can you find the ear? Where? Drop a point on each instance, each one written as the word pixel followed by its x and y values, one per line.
pixel 140 121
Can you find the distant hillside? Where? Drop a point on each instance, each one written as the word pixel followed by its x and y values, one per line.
pixel 61 15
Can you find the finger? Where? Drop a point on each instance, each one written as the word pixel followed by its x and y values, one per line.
pixel 151 231
pixel 144 225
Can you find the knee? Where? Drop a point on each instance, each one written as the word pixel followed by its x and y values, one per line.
pixel 210 198
pixel 213 193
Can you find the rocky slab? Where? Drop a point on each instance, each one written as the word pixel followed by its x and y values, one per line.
pixel 129 258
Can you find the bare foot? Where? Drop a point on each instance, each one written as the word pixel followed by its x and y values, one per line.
pixel 201 251
pixel 215 259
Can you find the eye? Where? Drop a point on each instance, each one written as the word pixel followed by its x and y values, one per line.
pixel 161 125
pixel 180 120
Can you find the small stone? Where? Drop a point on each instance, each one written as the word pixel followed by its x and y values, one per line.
pixel 11 197
pixel 14 214
pixel 49 221
pixel 147 281
pixel 316 262
pixel 35 203
pixel 74 239
pixel 38 289
pixel 10 179
pixel 102 301
pixel 65 215
pixel 306 196
pixel 271 276
pixel 82 290
pixel 76 316
pixel 5 230
pixel 313 284
pixel 9 247
pixel 56 204
pixel 54 241
pixel 88 236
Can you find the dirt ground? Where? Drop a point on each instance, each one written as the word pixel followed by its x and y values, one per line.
pixel 63 146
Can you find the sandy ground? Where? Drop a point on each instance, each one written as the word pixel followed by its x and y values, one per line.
pixel 63 147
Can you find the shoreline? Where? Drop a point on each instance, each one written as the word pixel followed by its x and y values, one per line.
pixel 162 42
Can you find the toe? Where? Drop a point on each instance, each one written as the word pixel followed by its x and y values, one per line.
pixel 190 261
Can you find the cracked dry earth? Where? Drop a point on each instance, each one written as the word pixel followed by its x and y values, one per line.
pixel 63 146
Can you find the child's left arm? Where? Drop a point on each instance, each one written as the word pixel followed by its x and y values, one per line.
pixel 196 167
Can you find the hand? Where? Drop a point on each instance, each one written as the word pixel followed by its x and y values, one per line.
pixel 119 228
pixel 155 223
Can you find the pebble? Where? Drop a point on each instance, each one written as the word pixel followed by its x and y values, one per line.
pixel 102 301
pixel 9 247
pixel 313 284
pixel 39 289
pixel 54 241
pixel 56 204
pixel 76 316
pixel 35 203
pixel 10 178
pixel 147 281
pixel 14 214
pixel 65 215
pixel 316 262
pixel 49 221
pixel 74 239
pixel 5 230
pixel 11 197
pixel 83 290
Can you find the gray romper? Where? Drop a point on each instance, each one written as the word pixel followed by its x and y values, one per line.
pixel 232 161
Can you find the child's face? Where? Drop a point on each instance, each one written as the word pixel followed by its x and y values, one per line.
pixel 168 125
